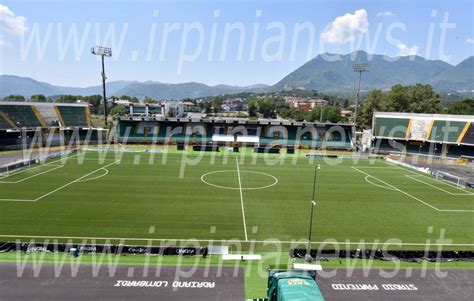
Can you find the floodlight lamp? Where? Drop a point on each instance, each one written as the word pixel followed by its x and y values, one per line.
pixel 99 50
pixel 361 67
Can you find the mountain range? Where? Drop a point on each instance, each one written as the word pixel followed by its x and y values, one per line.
pixel 325 75
pixel 15 85
pixel 320 73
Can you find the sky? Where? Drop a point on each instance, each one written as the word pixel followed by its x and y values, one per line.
pixel 219 42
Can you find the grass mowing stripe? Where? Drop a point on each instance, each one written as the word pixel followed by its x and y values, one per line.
pixel 397 189
pixel 76 180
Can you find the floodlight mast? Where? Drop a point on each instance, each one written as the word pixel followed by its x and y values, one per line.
pixel 359 68
pixel 103 52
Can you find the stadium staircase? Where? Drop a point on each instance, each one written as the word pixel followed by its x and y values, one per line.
pixel 49 115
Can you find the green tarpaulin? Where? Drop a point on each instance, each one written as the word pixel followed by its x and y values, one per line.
pixel 293 285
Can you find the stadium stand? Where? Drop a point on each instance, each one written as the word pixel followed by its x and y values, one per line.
pixel 391 127
pixel 44 115
pixel 468 137
pixel 19 116
pixel 446 130
pixel 262 132
pixel 433 134
pixel 25 120
pixel 73 116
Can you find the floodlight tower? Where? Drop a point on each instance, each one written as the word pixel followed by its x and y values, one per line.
pixel 103 52
pixel 359 68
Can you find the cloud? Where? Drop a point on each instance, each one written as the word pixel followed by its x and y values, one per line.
pixel 347 28
pixel 405 50
pixel 470 40
pixel 386 13
pixel 11 23
pixel 3 42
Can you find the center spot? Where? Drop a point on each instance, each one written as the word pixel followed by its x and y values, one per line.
pixel 227 179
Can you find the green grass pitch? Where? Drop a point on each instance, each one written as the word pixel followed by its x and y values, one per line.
pixel 229 196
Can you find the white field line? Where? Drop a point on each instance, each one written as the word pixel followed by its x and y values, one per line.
pixel 466 193
pixel 378 185
pixel 296 242
pixel 22 171
pixel 397 189
pixel 411 196
pixel 241 198
pixel 372 167
pixel 76 180
pixel 16 200
pixel 40 165
pixel 95 178
pixel 64 186
pixel 428 177
pixel 35 175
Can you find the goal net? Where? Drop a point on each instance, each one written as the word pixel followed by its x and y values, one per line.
pixel 459 182
pixel 6 170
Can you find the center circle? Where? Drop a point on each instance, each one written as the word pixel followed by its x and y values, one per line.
pixel 207 179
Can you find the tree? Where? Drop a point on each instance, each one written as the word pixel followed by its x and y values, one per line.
pixel 396 100
pixel 252 108
pixel 332 114
pixel 68 98
pixel 415 99
pixel 465 107
pixel 96 102
pixel 266 107
pixel 239 107
pixel 207 107
pixel 149 100
pixel 314 114
pixel 118 110
pixel 346 103
pixel 14 98
pixel 372 103
pixel 422 99
pixel 217 102
pixel 38 98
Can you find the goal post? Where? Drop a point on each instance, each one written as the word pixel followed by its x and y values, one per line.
pixel 460 182
pixel 7 169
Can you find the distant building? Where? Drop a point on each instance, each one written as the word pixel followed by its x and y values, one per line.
pixel 305 104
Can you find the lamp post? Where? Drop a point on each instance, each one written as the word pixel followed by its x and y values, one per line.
pixel 313 204
pixel 103 52
pixel 359 68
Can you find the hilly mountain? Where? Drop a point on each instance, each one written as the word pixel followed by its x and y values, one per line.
pixel 185 90
pixel 460 77
pixel 324 75
pixel 10 84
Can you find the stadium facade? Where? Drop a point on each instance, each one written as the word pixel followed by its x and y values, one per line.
pixel 234 131
pixel 429 134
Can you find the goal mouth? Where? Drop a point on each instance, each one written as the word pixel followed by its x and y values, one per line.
pixel 459 182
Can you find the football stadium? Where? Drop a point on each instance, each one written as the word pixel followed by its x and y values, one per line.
pixel 236 150
pixel 234 191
